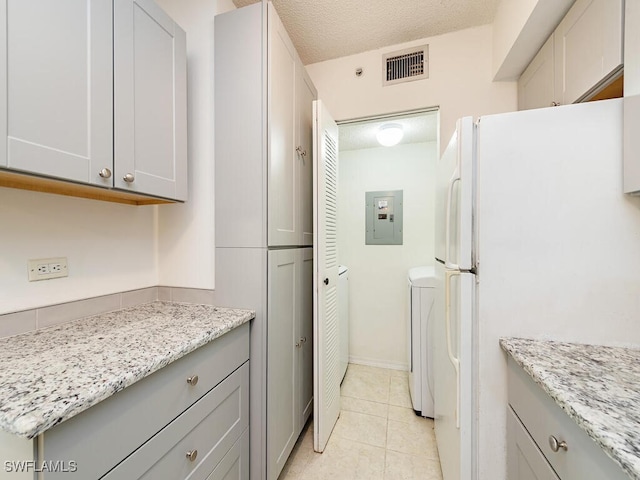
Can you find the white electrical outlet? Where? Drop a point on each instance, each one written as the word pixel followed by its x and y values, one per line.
pixel 47 268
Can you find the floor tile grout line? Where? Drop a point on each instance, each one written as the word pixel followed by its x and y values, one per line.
pixel 365 399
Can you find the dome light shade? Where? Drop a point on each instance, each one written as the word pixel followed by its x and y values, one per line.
pixel 389 134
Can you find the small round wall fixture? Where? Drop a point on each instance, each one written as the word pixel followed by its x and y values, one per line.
pixel 389 134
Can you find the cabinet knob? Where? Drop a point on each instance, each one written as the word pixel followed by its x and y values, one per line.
pixel 303 340
pixel 192 455
pixel 193 380
pixel 105 173
pixel 301 151
pixel 556 445
pixel 555 104
pixel 129 178
pixel 326 281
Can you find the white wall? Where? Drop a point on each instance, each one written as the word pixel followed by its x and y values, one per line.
pixel 378 273
pixel 460 82
pixel 186 232
pixel 110 247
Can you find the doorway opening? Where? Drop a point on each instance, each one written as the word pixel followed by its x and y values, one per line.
pixel 377 283
pixel 378 326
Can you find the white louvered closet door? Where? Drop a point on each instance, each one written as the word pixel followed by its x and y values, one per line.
pixel 325 321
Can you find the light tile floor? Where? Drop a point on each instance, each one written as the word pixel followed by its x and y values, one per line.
pixel 377 437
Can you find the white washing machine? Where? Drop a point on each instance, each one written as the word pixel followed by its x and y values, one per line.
pixel 422 287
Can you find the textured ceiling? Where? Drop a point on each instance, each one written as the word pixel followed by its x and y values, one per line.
pixel 417 128
pixel 326 29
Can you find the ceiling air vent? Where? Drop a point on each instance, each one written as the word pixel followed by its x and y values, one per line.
pixel 405 65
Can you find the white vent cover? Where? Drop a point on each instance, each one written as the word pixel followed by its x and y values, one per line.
pixel 405 65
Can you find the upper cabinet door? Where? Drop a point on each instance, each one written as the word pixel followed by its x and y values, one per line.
pixel 588 48
pixel 535 86
pixel 56 87
pixel 283 217
pixel 150 101
pixel 305 95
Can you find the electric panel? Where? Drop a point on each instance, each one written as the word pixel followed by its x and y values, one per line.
pixel 384 217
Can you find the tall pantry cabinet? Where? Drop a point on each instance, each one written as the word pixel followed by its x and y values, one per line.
pixel 264 219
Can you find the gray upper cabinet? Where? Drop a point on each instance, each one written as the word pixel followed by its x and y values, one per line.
pixel 150 116
pixel 283 187
pixel 588 48
pixel 263 149
pixel 57 66
pixel 305 95
pixel 580 59
pixel 72 71
pixel 290 188
pixel 535 86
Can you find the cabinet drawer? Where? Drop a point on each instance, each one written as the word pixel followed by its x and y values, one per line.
pixel 524 459
pixel 102 436
pixel 542 417
pixel 210 427
pixel 235 464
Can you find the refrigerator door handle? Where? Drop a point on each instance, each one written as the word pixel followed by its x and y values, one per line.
pixel 452 358
pixel 447 225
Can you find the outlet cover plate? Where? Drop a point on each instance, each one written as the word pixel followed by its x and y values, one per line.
pixel 47 268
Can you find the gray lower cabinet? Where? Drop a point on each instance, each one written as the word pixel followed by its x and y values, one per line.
pixel 235 464
pixel 165 427
pixel 195 442
pixel 526 462
pixel 289 352
pixel 534 421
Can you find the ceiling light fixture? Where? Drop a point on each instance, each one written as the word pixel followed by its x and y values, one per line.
pixel 389 134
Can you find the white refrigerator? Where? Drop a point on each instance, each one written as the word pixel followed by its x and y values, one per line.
pixel 534 238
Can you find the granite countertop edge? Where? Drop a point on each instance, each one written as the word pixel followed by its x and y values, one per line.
pixel 222 321
pixel 559 396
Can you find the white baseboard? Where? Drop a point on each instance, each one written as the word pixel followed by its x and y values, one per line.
pixel 377 363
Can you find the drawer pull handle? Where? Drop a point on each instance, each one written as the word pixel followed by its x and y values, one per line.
pixel 192 455
pixel 557 445
pixel 193 380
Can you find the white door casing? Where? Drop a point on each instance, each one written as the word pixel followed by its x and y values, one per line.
pixel 325 321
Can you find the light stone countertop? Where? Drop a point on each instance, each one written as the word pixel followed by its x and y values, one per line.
pixel 50 375
pixel 597 386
